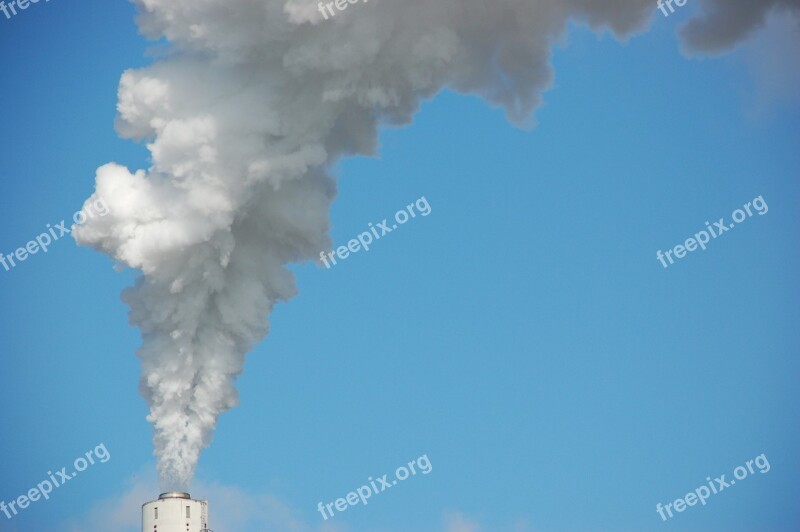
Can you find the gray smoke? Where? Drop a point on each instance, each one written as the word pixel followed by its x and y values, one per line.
pixel 243 119
pixel 724 23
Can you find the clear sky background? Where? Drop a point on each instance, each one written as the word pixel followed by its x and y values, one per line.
pixel 523 335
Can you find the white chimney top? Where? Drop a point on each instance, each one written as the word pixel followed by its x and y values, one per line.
pixel 175 511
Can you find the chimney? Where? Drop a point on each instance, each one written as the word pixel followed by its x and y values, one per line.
pixel 175 511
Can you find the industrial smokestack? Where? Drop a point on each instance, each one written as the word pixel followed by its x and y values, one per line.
pixel 175 511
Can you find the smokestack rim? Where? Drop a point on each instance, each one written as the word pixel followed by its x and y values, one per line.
pixel 174 495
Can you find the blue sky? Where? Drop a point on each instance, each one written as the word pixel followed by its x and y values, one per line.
pixel 523 335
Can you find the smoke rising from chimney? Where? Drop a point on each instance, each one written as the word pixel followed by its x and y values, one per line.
pixel 243 119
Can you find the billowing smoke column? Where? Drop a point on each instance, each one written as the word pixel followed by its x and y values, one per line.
pixel 242 120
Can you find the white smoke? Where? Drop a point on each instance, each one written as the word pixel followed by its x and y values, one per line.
pixel 243 118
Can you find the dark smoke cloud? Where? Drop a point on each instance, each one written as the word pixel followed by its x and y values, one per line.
pixel 724 23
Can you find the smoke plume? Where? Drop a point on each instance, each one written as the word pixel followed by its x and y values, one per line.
pixel 723 24
pixel 243 119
